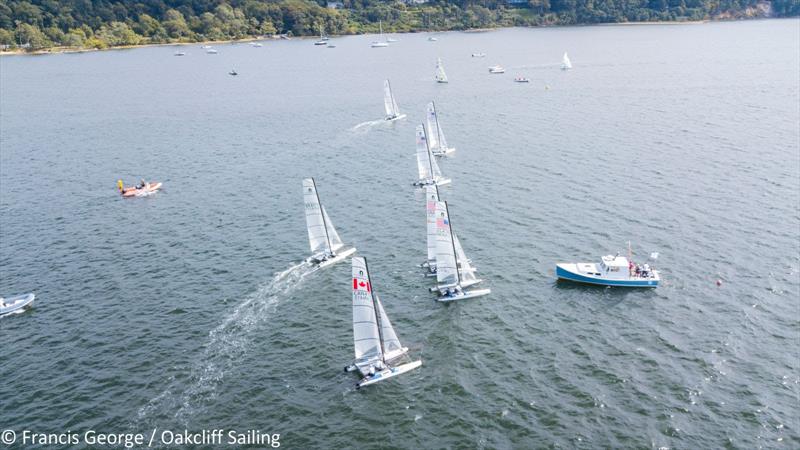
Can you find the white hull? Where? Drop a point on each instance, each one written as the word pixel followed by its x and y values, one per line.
pixel 16 304
pixel 446 151
pixel 341 255
pixel 388 373
pixel 379 44
pixel 464 295
pixel 392 119
pixel 439 182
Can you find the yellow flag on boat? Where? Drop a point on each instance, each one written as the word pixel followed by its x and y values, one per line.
pixel 120 185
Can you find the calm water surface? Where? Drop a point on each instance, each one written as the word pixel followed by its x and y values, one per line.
pixel 166 311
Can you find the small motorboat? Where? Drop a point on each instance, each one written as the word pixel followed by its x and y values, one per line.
pixel 15 304
pixel 233 72
pixel 479 55
pixel 180 53
pixel 497 69
pixel 144 189
pixel 321 42
pixel 521 80
pixel 613 270
pixel 211 51
pixel 432 39
pixel 256 44
pixel 379 44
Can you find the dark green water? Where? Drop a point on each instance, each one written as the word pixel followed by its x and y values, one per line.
pixel 165 311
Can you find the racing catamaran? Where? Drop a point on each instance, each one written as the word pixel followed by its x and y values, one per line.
pixel 436 138
pixel 326 246
pixel 390 104
pixel 376 343
pixel 452 278
pixel 428 169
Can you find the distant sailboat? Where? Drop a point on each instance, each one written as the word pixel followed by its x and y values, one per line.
pixel 436 139
pixel 566 64
pixel 429 172
pixel 452 277
pixel 326 245
pixel 323 40
pixel 375 341
pixel 441 77
pixel 389 103
pixel 382 42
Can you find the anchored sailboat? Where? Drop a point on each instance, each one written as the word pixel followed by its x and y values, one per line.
pixel 436 139
pixel 441 77
pixel 382 42
pixel 429 172
pixel 326 246
pixel 389 103
pixel 376 343
pixel 566 64
pixel 323 39
pixel 452 278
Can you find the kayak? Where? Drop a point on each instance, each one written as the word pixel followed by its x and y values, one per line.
pixel 149 189
pixel 15 304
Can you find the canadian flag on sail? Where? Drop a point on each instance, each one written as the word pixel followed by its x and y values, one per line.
pixel 359 285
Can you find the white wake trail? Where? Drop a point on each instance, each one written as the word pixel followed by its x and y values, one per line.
pixel 227 345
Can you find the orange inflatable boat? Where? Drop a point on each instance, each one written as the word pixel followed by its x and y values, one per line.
pixel 149 188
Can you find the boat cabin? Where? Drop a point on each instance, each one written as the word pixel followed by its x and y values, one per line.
pixel 614 267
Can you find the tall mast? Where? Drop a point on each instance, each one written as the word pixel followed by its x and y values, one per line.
pixel 391 96
pixel 438 130
pixel 322 213
pixel 430 155
pixel 452 242
pixel 375 309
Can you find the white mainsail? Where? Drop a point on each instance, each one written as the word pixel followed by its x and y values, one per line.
pixel 441 77
pixel 333 237
pixel 366 335
pixel 446 269
pixel 431 198
pixel 565 62
pixel 315 220
pixel 428 169
pixel 389 102
pixel 423 160
pixel 392 348
pixel 437 141
pixel 466 272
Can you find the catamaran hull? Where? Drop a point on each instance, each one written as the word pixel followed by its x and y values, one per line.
pixel 463 295
pixel 16 304
pixel 569 272
pixel 392 119
pixel 444 152
pixel 341 255
pixel 440 182
pixel 388 373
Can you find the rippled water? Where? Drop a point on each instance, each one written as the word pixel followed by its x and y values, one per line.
pixel 190 309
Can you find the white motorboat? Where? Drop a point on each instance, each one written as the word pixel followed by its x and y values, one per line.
pixel 497 69
pixel 16 304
